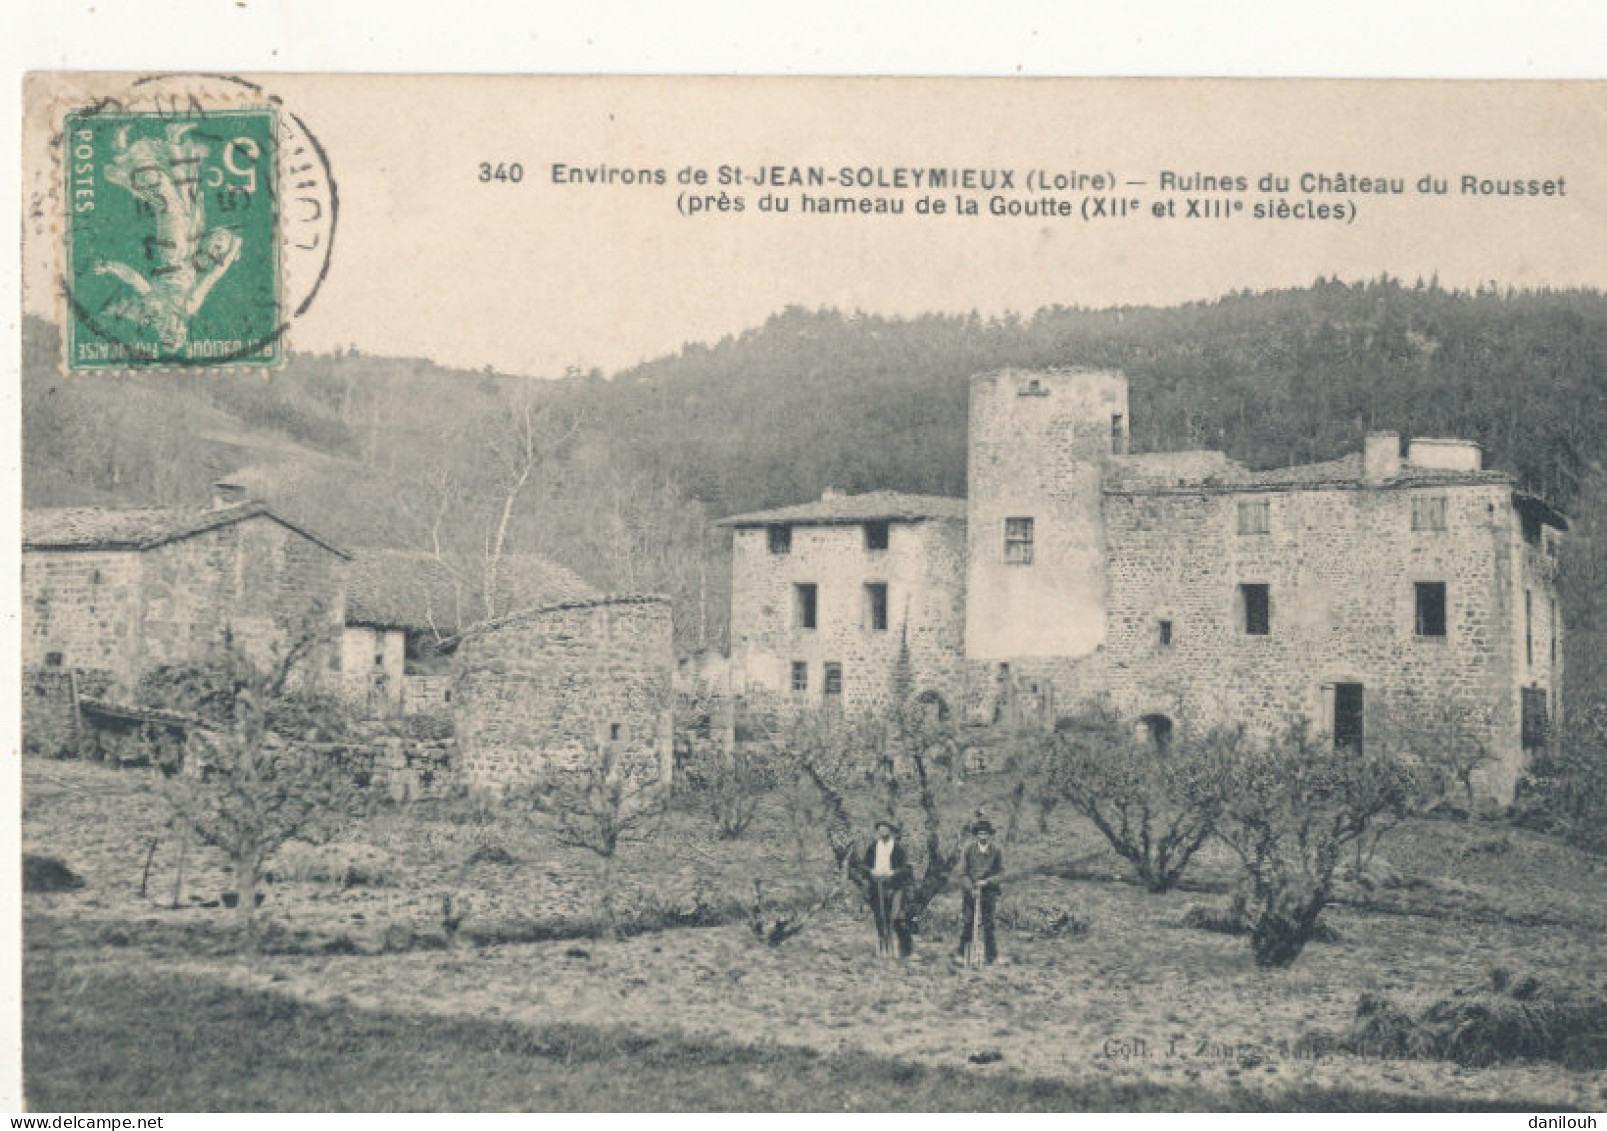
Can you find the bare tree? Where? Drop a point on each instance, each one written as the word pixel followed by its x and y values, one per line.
pixel 1290 807
pixel 817 749
pixel 730 779
pixel 466 504
pixel 1155 804
pixel 602 806
pixel 527 436
pixel 246 785
pixel 1449 740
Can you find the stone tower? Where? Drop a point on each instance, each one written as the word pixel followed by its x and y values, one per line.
pixel 1040 444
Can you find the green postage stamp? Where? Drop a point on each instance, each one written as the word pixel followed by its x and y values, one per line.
pixel 173 240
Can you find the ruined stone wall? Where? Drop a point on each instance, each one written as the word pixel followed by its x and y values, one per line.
pixel 257 581
pixel 80 612
pixel 426 694
pixel 1539 658
pixel 543 690
pixel 50 723
pixel 923 568
pixel 1341 566
pixel 1038 444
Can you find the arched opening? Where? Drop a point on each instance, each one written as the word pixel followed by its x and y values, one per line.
pixel 933 705
pixel 1158 729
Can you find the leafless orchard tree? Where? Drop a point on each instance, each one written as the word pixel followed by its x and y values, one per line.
pixel 1156 804
pixel 1449 740
pixel 246 787
pixel 607 802
pixel 729 779
pixel 1290 808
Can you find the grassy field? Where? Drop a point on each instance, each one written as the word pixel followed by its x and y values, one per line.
pixel 365 1000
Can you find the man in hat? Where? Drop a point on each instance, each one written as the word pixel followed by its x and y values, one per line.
pixel 887 873
pixel 981 864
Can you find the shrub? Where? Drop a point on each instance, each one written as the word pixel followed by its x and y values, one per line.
pixel 461 804
pixel 1228 922
pixel 1234 920
pixel 46 873
pixel 1503 1021
pixel 1046 921
pixel 652 911
pixel 422 727
pixel 489 853
pixel 345 863
pixel 209 691
pixel 1289 809
pixel 1564 791
pixel 1154 802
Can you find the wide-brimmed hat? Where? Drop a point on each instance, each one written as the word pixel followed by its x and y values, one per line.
pixel 884 823
pixel 982 825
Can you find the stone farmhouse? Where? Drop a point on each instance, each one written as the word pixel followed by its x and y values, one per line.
pixel 115 594
pixel 826 595
pixel 111 595
pixel 1377 591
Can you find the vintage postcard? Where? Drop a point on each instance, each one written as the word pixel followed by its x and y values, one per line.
pixel 813 594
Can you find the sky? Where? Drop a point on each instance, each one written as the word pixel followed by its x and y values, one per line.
pixel 538 276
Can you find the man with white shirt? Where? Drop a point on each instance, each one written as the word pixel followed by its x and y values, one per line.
pixel 887 873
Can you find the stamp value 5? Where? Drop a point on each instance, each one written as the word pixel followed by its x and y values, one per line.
pixel 173 239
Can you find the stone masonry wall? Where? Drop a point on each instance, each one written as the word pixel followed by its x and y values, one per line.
pixel 359 645
pixel 1038 444
pixel 426 694
pixel 1341 566
pixel 50 723
pixel 83 607
pixel 258 581
pixel 541 691
pixel 923 568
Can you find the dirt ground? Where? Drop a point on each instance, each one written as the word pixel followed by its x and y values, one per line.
pixel 1133 998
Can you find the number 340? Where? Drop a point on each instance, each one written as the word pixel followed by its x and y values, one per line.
pixel 512 174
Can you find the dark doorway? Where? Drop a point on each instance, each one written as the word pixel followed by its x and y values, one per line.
pixel 1350 730
pixel 1159 728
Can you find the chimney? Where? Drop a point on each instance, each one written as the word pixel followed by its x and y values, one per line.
pixel 1381 458
pixel 1446 455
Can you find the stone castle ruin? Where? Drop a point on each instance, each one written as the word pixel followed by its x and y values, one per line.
pixel 1358 593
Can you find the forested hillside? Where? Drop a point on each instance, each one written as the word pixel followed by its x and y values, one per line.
pixel 627 470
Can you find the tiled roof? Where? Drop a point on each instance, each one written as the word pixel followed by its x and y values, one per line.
pixel 402 589
pixel 137 528
pixel 872 506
